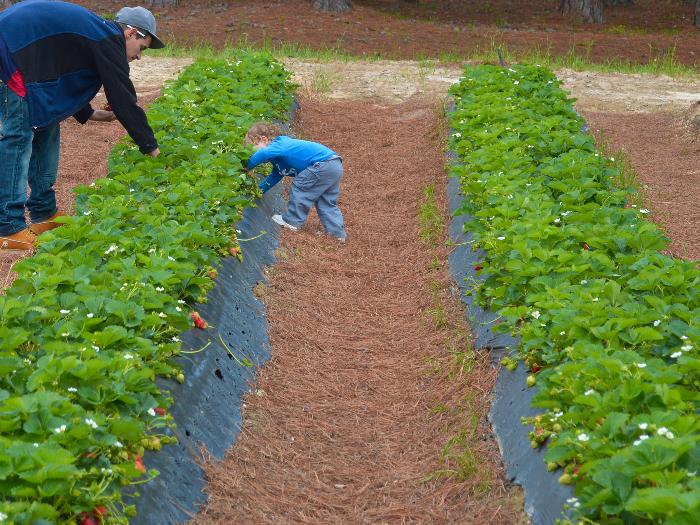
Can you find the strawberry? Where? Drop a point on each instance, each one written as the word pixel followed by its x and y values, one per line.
pixel 100 513
pixel 531 380
pixel 478 267
pixel 566 479
pixel 198 321
pixel 234 250
pixel 87 519
pixel 535 368
pixel 159 410
pixel 138 464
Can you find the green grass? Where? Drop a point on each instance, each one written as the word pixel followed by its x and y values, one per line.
pixel 431 223
pixel 661 62
pixel 627 179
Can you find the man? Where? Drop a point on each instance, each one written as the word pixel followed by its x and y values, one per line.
pixel 54 56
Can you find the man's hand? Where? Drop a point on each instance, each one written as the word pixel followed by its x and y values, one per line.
pixel 100 115
pixel 155 153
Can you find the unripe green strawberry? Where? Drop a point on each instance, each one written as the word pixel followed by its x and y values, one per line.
pixel 180 378
pixel 552 466
pixel 566 479
pixel 531 380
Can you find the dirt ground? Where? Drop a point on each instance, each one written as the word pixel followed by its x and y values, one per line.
pixel 649 31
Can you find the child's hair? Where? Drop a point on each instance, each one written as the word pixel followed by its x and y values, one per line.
pixel 262 129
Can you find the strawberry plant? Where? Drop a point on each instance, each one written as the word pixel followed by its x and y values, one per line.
pixel 96 315
pixel 609 327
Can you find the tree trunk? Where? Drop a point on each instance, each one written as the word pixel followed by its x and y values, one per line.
pixel 590 10
pixel 696 19
pixel 334 6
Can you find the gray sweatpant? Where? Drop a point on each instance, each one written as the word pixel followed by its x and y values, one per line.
pixel 318 185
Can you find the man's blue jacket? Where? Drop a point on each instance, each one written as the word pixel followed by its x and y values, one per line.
pixel 64 53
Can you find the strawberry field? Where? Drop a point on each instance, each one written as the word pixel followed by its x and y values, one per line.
pixel 96 315
pixel 609 326
pixel 125 399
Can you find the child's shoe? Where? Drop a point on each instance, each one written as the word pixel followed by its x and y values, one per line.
pixel 22 240
pixel 279 220
pixel 49 224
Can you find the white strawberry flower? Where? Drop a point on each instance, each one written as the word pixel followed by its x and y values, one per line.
pixel 60 430
pixel 64 311
pixel 583 438
pixel 657 322
pixel 676 355
pixel 151 412
pixel 536 314
pixel 90 315
pixel 91 423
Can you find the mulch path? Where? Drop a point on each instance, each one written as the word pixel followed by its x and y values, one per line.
pixel 349 418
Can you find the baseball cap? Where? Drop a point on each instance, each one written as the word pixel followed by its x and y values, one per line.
pixel 141 18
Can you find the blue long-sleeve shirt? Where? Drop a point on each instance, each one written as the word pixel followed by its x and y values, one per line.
pixel 288 157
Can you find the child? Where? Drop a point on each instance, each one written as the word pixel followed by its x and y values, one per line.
pixel 316 172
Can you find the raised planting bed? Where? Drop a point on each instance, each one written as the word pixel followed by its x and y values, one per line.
pixel 96 316
pixel 608 326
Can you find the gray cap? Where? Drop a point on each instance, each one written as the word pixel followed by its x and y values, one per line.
pixel 141 18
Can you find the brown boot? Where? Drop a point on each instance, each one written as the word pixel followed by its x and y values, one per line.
pixel 23 240
pixel 49 224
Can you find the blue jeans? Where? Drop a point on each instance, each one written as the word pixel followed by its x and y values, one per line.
pixel 27 156
pixel 318 185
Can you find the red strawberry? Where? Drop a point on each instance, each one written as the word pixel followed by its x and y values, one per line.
pixel 100 513
pixel 478 267
pixel 159 410
pixel 235 250
pixel 198 321
pixel 86 519
pixel 138 463
pixel 535 368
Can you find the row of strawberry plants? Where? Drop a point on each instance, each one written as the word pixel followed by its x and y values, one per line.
pixel 96 315
pixel 609 326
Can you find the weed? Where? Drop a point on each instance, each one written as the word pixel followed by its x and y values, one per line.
pixel 431 223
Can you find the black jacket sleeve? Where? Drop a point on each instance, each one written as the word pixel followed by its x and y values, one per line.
pixel 111 63
pixel 84 114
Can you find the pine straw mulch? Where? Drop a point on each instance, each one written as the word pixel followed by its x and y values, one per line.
pixel 348 420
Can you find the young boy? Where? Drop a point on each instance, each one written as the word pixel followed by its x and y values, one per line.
pixel 316 173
